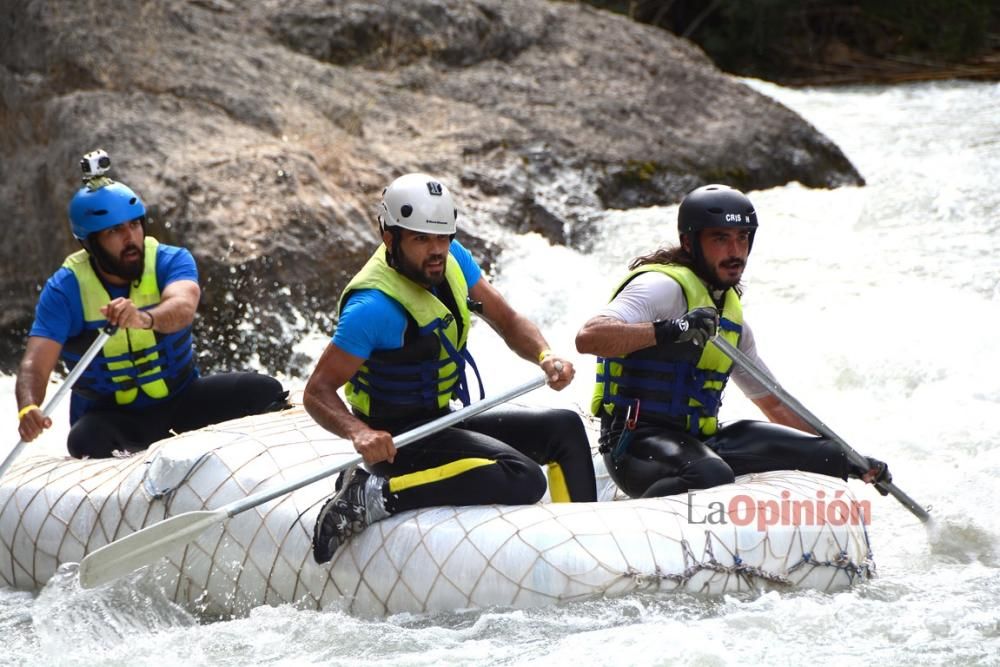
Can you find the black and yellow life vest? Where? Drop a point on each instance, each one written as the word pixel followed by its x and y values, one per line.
pixel 131 359
pixel 419 379
pixel 678 385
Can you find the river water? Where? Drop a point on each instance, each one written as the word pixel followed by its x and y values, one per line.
pixel 872 305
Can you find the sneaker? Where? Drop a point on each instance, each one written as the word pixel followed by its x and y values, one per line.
pixel 343 516
pixel 339 484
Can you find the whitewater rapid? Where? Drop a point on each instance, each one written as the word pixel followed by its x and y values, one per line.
pixel 875 306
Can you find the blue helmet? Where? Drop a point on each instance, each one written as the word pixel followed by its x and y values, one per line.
pixel 92 210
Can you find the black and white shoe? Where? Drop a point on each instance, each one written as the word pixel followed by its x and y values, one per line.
pixel 343 516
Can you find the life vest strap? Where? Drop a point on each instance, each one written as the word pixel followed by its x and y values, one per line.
pixel 728 325
pixel 679 383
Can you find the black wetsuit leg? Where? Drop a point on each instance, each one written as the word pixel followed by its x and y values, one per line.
pixel 754 446
pixel 549 437
pixel 660 461
pixel 206 400
pixel 470 464
pixel 217 398
pixel 99 432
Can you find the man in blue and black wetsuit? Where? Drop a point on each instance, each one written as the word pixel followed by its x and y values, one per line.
pixel 659 382
pixel 144 384
pixel 400 353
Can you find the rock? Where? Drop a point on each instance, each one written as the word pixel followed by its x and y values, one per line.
pixel 260 135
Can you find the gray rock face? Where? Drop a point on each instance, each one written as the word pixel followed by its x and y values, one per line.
pixel 261 133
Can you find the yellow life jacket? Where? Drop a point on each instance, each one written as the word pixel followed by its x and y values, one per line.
pixel 679 385
pixel 419 379
pixel 131 359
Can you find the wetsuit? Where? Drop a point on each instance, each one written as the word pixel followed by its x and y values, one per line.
pixel 144 384
pixel 667 454
pixel 413 341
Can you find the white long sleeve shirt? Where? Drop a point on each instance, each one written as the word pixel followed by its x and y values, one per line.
pixel 653 296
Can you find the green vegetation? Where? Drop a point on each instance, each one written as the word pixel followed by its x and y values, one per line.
pixel 831 40
pixel 636 172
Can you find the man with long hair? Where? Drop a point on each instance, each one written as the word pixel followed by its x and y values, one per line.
pixel 660 381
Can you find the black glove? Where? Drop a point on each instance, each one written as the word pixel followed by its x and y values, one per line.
pixel 695 327
pixel 882 473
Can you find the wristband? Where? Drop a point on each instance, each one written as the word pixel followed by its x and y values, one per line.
pixel 152 322
pixel 544 353
pixel 25 410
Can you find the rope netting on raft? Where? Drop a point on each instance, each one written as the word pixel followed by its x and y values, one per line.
pixel 781 529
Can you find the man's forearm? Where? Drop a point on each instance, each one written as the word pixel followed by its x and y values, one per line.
pixel 779 413
pixel 171 315
pixel 609 337
pixel 40 358
pixel 29 388
pixel 331 413
pixel 524 338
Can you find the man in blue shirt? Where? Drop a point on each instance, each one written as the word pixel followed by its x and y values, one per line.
pixel 400 353
pixel 144 383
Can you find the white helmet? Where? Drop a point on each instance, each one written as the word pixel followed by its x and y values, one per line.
pixel 419 203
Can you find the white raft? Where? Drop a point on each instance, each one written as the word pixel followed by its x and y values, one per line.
pixel 56 510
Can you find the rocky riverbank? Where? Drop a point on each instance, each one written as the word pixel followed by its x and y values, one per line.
pixel 260 134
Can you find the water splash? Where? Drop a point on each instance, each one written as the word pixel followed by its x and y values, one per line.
pixel 963 542
pixel 895 289
pixel 74 625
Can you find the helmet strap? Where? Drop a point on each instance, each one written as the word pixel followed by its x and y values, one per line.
pixel 392 253
pixel 695 249
pixel 700 267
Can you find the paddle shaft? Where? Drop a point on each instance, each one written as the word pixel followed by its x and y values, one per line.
pixel 67 385
pixel 795 406
pixel 153 542
pixel 439 424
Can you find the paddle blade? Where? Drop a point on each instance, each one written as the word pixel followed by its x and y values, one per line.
pixel 146 546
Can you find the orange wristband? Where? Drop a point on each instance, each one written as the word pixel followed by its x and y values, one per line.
pixel 25 410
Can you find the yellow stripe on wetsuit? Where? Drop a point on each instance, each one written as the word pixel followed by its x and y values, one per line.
pixel 558 489
pixel 557 485
pixel 431 475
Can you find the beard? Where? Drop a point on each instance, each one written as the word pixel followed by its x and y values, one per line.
pixel 714 273
pixel 421 275
pixel 129 269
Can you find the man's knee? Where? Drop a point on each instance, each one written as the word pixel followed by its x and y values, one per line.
pixel 535 486
pixel 566 419
pixel 526 483
pixel 79 446
pixel 87 440
pixel 568 430
pixel 707 472
pixel 263 393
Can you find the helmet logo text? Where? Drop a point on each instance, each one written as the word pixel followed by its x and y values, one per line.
pixel 434 188
pixel 734 217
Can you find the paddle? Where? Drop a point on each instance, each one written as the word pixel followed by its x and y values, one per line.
pixel 143 547
pixel 71 379
pixel 758 374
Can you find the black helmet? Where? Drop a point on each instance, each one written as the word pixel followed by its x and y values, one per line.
pixel 715 206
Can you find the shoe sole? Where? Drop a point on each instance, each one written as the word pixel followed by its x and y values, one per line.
pixel 348 478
